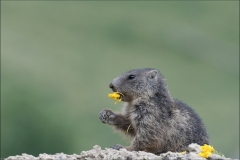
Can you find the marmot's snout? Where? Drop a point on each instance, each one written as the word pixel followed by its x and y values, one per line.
pixel 112 87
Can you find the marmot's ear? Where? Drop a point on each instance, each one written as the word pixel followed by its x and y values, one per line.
pixel 152 74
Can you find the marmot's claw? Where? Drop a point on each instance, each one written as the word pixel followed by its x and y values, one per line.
pixel 117 147
pixel 107 116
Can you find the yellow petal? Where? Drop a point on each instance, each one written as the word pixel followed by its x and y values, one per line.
pixel 207 150
pixel 183 152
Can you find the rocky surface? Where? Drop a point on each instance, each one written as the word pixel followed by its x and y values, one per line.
pixel 108 153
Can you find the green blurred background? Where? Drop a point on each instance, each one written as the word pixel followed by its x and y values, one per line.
pixel 58 58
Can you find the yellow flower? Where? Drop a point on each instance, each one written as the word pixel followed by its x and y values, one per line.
pixel 207 150
pixel 183 152
pixel 116 96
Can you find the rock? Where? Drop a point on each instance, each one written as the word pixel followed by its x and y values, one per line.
pixel 109 153
pixel 218 157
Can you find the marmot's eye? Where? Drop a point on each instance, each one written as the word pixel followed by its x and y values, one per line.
pixel 131 77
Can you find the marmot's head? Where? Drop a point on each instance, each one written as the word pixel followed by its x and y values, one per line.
pixel 144 83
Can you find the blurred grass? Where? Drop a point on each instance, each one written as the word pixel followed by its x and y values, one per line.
pixel 57 59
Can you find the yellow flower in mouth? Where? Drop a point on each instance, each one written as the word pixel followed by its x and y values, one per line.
pixel 207 150
pixel 116 96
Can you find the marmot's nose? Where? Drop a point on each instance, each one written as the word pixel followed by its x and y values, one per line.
pixel 111 85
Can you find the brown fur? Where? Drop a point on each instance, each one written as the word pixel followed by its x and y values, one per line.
pixel 158 123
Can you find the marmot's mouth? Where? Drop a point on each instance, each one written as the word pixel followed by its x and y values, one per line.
pixel 117 96
pixel 114 90
pixel 117 91
pixel 121 96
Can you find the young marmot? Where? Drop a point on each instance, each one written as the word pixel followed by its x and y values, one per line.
pixel 157 122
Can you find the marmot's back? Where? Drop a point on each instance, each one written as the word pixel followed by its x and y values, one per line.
pixel 157 122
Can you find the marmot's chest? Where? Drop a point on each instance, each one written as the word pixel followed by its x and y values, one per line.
pixel 137 115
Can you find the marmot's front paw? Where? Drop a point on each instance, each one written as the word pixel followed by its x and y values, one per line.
pixel 107 116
